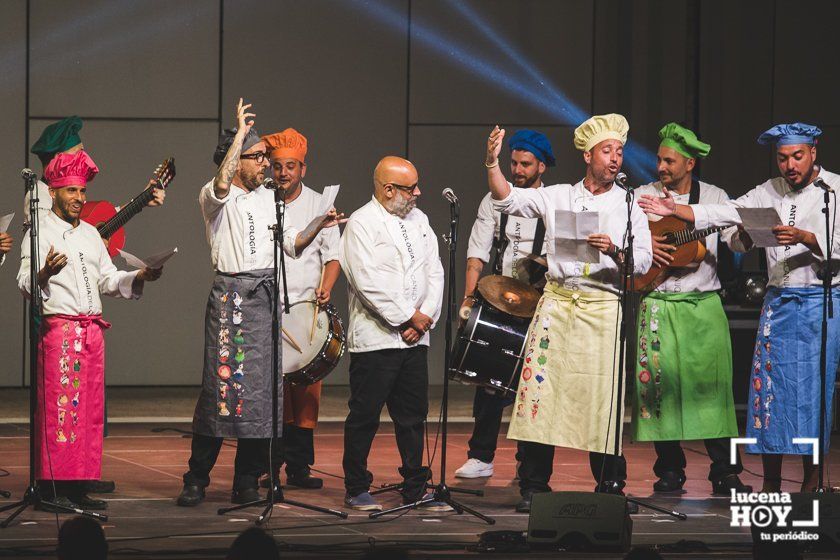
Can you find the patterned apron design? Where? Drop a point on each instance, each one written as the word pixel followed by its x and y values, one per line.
pixel 235 398
pixel 71 400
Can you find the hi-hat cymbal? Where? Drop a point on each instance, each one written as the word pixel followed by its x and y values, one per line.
pixel 509 295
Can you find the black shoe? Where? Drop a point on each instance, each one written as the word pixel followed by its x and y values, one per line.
pixel 62 501
pixel 524 505
pixel 304 480
pixel 669 482
pixel 191 495
pixel 610 487
pixel 100 486
pixel 724 486
pixel 245 496
pixel 86 502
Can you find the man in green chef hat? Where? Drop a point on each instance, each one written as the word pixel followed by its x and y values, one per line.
pixel 63 137
pixel 683 384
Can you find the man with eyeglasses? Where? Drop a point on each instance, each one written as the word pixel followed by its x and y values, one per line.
pixel 235 400
pixel 389 254
pixel 514 238
pixel 309 277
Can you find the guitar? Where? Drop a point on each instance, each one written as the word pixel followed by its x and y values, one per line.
pixel 104 216
pixel 689 249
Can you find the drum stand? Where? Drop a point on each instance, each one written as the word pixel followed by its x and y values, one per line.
pixel 32 494
pixel 442 493
pixel 275 494
pixel 627 315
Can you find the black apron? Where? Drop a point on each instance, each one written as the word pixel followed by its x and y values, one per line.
pixel 235 399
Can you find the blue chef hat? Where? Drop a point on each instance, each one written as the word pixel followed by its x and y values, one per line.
pixel 787 134
pixel 534 142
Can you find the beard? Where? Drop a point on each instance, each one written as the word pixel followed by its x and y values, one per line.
pixel 402 206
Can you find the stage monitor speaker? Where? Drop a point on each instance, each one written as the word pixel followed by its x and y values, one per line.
pixel 579 521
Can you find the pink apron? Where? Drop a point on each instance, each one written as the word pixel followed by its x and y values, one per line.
pixel 71 397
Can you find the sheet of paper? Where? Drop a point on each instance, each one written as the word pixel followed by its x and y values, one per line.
pixel 759 223
pixel 154 261
pixel 570 232
pixel 328 199
pixel 5 221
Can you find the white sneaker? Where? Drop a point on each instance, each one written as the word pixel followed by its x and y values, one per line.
pixel 474 468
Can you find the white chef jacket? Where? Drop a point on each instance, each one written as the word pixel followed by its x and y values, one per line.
pixel 45 201
pixel 304 273
pixel 702 276
pixel 237 228
pixel 612 210
pixel 519 232
pixel 89 271
pixel 392 267
pixel 792 265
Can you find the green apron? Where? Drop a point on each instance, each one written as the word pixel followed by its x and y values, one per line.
pixel 683 383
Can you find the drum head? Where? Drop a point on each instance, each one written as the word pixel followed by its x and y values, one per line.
pixel 297 325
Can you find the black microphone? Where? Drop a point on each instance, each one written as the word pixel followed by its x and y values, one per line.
pixel 449 195
pixel 28 174
pixel 269 184
pixel 823 185
pixel 621 181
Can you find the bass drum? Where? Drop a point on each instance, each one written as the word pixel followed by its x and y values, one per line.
pixel 488 350
pixel 311 350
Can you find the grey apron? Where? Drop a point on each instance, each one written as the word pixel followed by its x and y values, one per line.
pixel 235 399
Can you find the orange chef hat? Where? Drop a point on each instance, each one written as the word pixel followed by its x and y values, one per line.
pixel 287 144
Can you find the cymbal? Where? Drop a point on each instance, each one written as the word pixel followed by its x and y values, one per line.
pixel 509 295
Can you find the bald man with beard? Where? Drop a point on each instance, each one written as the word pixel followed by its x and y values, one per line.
pixel 389 254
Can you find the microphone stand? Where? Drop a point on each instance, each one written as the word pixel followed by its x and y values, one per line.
pixel 628 314
pixel 275 493
pixel 32 495
pixel 441 492
pixel 827 312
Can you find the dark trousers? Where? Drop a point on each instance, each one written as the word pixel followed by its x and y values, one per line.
pixel 670 458
pixel 249 463
pixel 487 411
pixel 296 449
pixel 537 465
pixel 400 379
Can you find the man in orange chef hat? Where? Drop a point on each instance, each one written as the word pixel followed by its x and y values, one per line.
pixel 310 279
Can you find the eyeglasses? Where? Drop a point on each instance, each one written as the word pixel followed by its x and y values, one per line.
pixel 258 157
pixel 408 189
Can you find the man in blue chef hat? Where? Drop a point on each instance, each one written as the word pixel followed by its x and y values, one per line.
pixel 513 239
pixel 784 401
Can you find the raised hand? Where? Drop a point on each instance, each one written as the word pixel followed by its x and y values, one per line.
pixel 242 116
pixel 53 264
pixel 659 206
pixel 494 145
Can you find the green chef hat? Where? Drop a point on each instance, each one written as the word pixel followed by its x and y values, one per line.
pixel 683 141
pixel 57 137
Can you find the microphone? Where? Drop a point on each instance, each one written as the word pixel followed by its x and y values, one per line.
pixel 823 185
pixel 269 184
pixel 28 174
pixel 449 195
pixel 621 181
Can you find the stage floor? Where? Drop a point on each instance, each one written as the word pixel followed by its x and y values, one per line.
pixel 147 461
